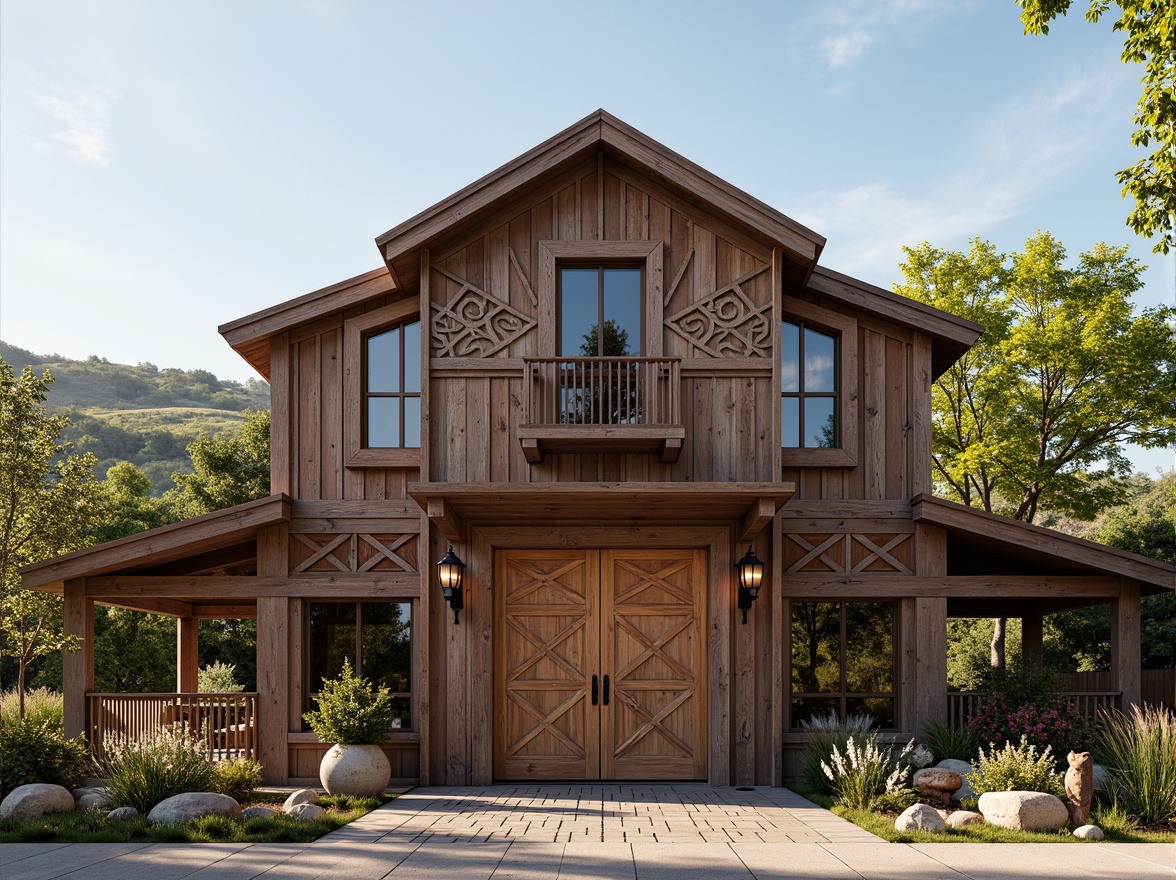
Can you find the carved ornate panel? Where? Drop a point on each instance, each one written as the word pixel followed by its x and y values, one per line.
pixel 474 323
pixel 847 553
pixel 727 323
pixel 354 553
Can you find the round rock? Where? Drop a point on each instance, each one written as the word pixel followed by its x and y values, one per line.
pixel 937 782
pixel 960 818
pixel 122 814
pixel 306 812
pixel 91 799
pixel 1024 810
pixel 301 796
pixel 960 767
pixel 258 813
pixel 920 817
pixel 36 800
pixel 192 805
pixel 1089 832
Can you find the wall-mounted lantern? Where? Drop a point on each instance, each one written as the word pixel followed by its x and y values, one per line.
pixel 751 578
pixel 450 571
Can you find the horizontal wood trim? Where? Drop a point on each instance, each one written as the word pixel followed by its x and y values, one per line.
pixel 393 508
pixel 743 366
pixel 996 587
pixel 441 368
pixel 817 458
pixel 539 440
pixel 192 537
pixel 345 526
pixel 401 738
pixel 800 508
pixel 167 607
pixel 596 536
pixel 593 249
pixel 392 584
pixel 983 527
pixel 383 458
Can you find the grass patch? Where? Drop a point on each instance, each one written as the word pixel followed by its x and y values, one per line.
pixel 883 826
pixel 90 826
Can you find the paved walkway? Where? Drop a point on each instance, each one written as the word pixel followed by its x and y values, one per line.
pixel 591 832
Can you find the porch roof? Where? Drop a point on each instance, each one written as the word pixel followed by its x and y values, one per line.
pixel 980 543
pixel 215 541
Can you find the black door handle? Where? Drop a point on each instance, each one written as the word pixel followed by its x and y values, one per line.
pixel 594 690
pixel 606 690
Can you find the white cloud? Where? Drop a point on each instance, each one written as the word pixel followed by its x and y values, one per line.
pixel 852 26
pixel 1017 155
pixel 85 134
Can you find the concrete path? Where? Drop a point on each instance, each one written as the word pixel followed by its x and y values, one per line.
pixel 595 832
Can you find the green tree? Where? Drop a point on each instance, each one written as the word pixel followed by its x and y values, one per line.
pixel 49 503
pixel 1150 28
pixel 1065 374
pixel 231 468
pixel 129 506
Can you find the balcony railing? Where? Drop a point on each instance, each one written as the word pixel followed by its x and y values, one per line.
pixel 961 704
pixel 226 722
pixel 608 404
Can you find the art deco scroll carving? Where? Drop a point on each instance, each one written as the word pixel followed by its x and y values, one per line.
pixel 727 323
pixel 474 323
pixel 847 553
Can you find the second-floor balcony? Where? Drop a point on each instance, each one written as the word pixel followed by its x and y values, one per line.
pixel 602 404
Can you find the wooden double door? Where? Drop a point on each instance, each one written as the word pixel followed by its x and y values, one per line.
pixel 600 664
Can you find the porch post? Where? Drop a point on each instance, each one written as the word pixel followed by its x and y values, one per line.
pixel 1032 640
pixel 77 667
pixel 273 668
pixel 1125 653
pixel 187 654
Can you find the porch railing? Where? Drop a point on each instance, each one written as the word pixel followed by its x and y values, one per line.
pixel 603 391
pixel 226 722
pixel 961 704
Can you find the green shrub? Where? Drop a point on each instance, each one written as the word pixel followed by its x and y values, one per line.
pixel 1016 768
pixel 958 742
pixel 1110 816
pixel 218 678
pixel 351 711
pixel 41 704
pixel 1139 753
pixel 37 751
pixel 141 773
pixel 896 801
pixel 235 777
pixel 824 732
pixel 866 773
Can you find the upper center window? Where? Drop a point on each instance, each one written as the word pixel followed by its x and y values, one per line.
pixel 599 311
pixel 392 387
pixel 808 387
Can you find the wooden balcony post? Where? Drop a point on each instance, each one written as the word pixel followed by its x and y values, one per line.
pixel 187 654
pixel 77 667
pixel 1125 654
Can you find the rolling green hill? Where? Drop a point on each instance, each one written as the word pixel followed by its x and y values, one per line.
pixel 141 414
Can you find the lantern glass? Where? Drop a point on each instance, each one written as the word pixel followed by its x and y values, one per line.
pixel 450 571
pixel 751 572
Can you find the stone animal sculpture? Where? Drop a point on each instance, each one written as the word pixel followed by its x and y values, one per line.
pixel 1079 788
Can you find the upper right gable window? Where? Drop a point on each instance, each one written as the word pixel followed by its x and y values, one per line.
pixel 808 387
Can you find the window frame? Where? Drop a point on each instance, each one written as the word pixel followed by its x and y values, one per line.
pixel 843 329
pixel 554 254
pixel 601 266
pixel 355 334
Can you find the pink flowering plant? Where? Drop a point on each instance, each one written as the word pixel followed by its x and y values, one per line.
pixel 1048 722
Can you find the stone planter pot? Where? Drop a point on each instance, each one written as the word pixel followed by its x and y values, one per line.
pixel 358 771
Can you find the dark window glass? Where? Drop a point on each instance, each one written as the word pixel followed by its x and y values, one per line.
pixel 843 656
pixel 392 388
pixel 596 297
pixel 808 387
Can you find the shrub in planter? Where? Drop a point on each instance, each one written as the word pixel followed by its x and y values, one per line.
pixel 1139 751
pixel 824 732
pixel 1016 768
pixel 355 716
pixel 141 773
pixel 37 751
pixel 235 777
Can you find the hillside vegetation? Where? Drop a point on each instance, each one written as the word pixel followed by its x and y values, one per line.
pixel 141 414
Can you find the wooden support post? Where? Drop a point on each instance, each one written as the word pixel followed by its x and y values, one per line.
pixel 273 670
pixel 1032 638
pixel 187 654
pixel 1125 653
pixel 931 660
pixel 77 667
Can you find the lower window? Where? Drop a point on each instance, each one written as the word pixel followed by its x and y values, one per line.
pixel 843 660
pixel 376 637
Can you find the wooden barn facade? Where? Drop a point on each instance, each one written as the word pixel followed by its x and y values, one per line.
pixel 602 376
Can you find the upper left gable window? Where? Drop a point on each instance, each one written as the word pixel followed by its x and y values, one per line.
pixel 392 387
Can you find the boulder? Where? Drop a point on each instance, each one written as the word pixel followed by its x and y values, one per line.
pixel 306 812
pixel 1088 832
pixel 91 782
pixel 960 767
pixel 1102 779
pixel 35 800
pixel 258 813
pixel 937 783
pixel 91 799
pixel 192 805
pixel 920 817
pixel 121 814
pixel 1024 810
pixel 960 818
pixel 301 796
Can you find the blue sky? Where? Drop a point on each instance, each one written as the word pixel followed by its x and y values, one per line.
pixel 167 167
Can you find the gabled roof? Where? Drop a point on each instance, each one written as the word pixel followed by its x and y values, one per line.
pixel 951 336
pixel 980 542
pixel 249 336
pixel 599 131
pixel 184 540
